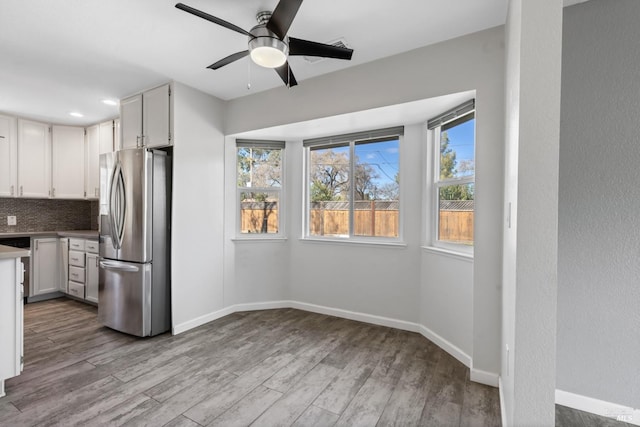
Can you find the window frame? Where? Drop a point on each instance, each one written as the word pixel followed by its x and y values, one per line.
pixel 351 141
pixel 265 145
pixel 437 183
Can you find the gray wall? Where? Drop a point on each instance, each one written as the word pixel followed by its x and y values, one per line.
pixel 599 237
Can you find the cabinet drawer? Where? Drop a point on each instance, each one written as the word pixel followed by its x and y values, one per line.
pixel 76 258
pixel 76 244
pixel 91 246
pixel 76 274
pixel 76 289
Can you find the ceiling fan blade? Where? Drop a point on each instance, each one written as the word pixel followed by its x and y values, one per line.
pixel 284 71
pixel 212 18
pixel 282 17
pixel 228 60
pixel 309 48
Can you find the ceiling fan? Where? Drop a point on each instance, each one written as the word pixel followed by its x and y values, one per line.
pixel 268 45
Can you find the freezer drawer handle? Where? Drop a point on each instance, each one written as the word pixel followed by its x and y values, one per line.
pixel 119 267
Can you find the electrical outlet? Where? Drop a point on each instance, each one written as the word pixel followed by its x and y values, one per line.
pixel 11 220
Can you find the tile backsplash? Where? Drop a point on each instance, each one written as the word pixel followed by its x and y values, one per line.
pixel 48 214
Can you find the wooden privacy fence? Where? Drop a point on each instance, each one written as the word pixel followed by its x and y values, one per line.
pixel 370 218
pixel 259 217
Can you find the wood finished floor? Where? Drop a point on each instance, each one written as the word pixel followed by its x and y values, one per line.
pixel 263 368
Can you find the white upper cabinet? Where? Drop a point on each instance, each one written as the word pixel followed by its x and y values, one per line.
pixel 106 137
pixel 131 121
pixel 92 172
pixel 68 162
pixel 34 159
pixel 145 119
pixel 155 117
pixel 8 157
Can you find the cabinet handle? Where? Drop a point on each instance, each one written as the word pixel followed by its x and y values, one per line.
pixel 21 193
pixel 53 192
pixel 12 190
pixel 138 137
pixel 97 192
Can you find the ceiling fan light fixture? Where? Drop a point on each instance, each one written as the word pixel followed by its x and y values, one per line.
pixel 268 52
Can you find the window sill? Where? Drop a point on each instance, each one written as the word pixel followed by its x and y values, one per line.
pixel 448 253
pixel 259 239
pixel 389 244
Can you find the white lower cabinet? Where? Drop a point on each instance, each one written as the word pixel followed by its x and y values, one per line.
pixel 91 282
pixel 11 326
pixel 83 269
pixel 64 264
pixel 45 263
pixel 76 289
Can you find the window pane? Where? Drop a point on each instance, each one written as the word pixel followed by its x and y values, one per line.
pixel 376 190
pixel 329 191
pixel 259 212
pixel 457 148
pixel 455 213
pixel 259 167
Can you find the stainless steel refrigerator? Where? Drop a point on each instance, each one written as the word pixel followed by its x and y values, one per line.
pixel 134 280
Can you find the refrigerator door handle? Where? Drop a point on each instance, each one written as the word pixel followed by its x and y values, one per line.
pixel 117 206
pixel 119 267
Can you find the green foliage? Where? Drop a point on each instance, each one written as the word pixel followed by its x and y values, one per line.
pixel 448 165
pixel 457 192
pixel 329 175
pixel 259 167
pixel 447 158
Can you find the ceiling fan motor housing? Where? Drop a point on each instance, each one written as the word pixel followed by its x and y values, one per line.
pixel 265 47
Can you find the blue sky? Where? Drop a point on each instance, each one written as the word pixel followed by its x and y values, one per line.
pixel 461 140
pixel 384 156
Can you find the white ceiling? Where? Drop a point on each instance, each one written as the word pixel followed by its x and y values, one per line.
pixel 58 56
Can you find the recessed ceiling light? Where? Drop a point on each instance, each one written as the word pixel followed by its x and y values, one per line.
pixel 76 114
pixel 110 102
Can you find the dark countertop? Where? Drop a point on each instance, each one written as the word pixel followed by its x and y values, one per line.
pixel 79 234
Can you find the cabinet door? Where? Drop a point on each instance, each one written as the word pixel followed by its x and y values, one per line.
pixel 63 256
pixel 130 122
pixel 91 280
pixel 68 162
pixel 45 266
pixel 34 159
pixel 8 157
pixel 92 173
pixel 155 113
pixel 11 328
pixel 106 137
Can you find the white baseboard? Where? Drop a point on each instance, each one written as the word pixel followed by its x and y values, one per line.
pixel 254 306
pixel 460 355
pixel 354 315
pixel 503 412
pixel 199 321
pixel 477 375
pixel 599 407
pixel 483 377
